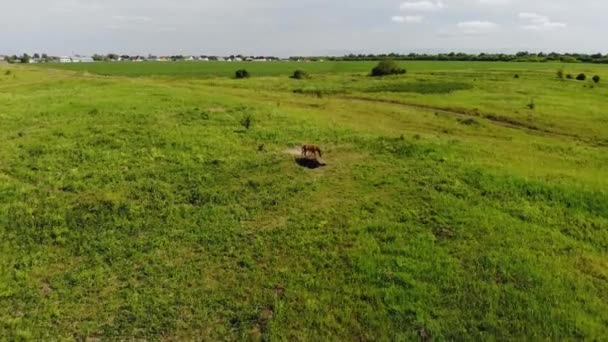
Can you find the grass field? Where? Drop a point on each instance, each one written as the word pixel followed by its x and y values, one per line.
pixel 450 207
pixel 258 69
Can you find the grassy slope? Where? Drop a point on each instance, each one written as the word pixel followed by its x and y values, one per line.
pixel 139 207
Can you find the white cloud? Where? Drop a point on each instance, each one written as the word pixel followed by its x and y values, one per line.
pixel 422 6
pixel 539 22
pixel 494 2
pixel 477 27
pixel 409 19
pixel 131 18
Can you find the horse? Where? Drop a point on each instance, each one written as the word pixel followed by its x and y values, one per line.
pixel 314 149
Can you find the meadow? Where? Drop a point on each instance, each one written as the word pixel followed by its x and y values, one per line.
pixel 261 69
pixel 459 202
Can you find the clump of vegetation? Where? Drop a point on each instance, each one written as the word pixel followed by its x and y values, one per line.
pixel 317 92
pixel 468 122
pixel 531 105
pixel 596 79
pixel 242 73
pixel 247 121
pixel 560 73
pixel 569 76
pixel 300 75
pixel 7 72
pixel 581 77
pixel 421 87
pixel 388 67
pixel 516 76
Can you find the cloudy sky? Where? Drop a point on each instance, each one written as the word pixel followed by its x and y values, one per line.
pixel 301 27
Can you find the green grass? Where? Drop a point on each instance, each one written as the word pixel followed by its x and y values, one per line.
pixel 260 69
pixel 141 208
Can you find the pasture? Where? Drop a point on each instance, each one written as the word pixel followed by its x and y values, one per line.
pixel 261 69
pixel 458 202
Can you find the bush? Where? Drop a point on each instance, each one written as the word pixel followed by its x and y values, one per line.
pixel 242 74
pixel 581 77
pixel 300 75
pixel 516 76
pixel 246 121
pixel 596 79
pixel 387 67
pixel 531 105
pixel 569 76
pixel 560 73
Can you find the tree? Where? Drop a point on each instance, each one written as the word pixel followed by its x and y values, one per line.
pixel 560 73
pixel 242 73
pixel 36 56
pixel 25 58
pixel 581 77
pixel 387 67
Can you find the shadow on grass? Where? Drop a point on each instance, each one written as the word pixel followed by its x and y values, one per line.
pixel 309 163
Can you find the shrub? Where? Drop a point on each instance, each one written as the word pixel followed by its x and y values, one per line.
pixel 246 121
pixel 560 73
pixel 569 76
pixel 387 67
pixel 300 75
pixel 7 73
pixel 242 74
pixel 596 79
pixel 581 77
pixel 531 105
pixel 516 76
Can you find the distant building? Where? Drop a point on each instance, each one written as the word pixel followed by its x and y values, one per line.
pixel 75 59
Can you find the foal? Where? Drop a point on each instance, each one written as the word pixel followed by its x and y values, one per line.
pixel 314 149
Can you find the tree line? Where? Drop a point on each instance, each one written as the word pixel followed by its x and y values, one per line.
pixel 523 56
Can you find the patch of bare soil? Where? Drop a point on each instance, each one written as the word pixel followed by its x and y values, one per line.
pixel 279 291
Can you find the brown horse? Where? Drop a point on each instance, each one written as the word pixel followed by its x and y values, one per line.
pixel 311 149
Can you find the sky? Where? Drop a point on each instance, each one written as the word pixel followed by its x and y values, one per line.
pixel 301 27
